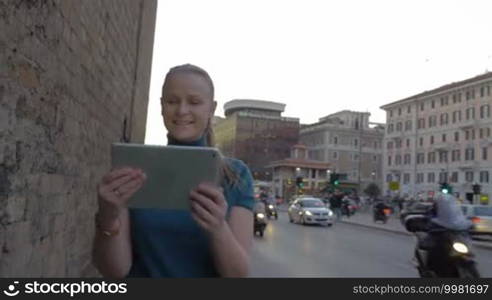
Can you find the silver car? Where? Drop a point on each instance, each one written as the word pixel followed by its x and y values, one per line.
pixel 481 216
pixel 310 211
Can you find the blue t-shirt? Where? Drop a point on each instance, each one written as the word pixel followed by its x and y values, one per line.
pixel 169 243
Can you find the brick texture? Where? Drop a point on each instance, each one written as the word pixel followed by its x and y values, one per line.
pixel 71 72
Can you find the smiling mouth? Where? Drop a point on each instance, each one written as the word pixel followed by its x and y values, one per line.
pixel 182 123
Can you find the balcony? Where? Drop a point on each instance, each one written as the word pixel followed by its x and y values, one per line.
pixel 469 124
pixel 468 165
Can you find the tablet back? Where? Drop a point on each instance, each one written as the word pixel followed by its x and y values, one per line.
pixel 172 172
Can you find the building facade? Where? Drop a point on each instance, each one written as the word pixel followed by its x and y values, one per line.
pixel 350 144
pixel 314 174
pixel 441 136
pixel 256 132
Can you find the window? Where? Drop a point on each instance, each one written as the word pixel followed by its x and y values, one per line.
pixel 444 119
pixel 399 111
pixel 389 160
pixel 408 125
pixel 389 178
pixel 484 153
pixel 484 177
pixel 421 123
pixel 391 113
pixel 356 142
pixel 469 176
pixel 399 126
pixel 390 145
pixel 467 135
pixel 433 104
pixel 470 154
pixel 473 134
pixel 409 109
pixel 431 178
pixel 408 143
pixel 484 111
pixel 420 177
pixel 407 159
pixel 374 158
pixel 335 140
pixel 444 137
pixel 406 178
pixel 431 157
pixel 398 159
pixel 398 143
pixel 454 177
pixel 454 99
pixel 457 136
pixel 421 106
pixel 335 155
pixel 470 113
pixel 482 92
pixel 443 177
pixel 488 132
pixel 456 155
pixel 355 157
pixel 421 142
pixel 432 140
pixel 443 156
pixel 420 158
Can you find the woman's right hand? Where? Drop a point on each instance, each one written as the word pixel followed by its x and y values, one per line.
pixel 116 188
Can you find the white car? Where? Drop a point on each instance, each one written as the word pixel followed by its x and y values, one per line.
pixel 310 211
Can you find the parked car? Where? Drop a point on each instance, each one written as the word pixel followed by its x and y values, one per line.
pixel 310 211
pixel 481 216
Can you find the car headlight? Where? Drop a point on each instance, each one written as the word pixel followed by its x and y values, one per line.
pixel 460 247
pixel 260 215
pixel 308 213
pixel 330 213
pixel 270 206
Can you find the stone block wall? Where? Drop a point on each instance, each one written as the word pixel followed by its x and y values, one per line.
pixel 71 73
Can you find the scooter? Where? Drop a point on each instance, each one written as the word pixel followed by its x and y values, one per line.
pixel 260 223
pixel 441 252
pixel 347 209
pixel 271 211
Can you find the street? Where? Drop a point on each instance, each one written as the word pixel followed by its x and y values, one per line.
pixel 344 250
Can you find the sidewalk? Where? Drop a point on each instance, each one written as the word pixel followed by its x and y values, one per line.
pixel 393 225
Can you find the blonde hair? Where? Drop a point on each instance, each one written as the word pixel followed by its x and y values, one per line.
pixel 226 169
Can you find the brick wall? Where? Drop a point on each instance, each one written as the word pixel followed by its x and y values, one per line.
pixel 71 72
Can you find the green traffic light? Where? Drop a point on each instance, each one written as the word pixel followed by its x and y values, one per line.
pixel 445 191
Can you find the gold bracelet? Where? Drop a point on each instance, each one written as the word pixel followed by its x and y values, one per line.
pixel 108 233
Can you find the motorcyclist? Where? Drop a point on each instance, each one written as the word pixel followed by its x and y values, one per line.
pixel 448 214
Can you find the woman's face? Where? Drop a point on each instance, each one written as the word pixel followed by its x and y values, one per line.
pixel 187 106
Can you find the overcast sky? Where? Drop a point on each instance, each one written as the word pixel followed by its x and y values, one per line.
pixel 320 57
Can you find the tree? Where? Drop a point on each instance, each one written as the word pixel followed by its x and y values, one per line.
pixel 372 190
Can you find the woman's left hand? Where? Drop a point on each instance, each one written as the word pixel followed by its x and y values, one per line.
pixel 209 208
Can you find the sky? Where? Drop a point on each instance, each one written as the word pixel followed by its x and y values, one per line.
pixel 320 57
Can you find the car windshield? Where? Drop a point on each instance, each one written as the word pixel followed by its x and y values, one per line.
pixel 483 211
pixel 311 203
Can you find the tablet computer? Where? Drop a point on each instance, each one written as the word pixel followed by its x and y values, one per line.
pixel 172 172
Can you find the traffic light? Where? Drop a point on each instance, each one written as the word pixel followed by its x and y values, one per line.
pixel 335 179
pixel 477 188
pixel 300 182
pixel 446 188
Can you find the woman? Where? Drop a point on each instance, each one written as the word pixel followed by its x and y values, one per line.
pixel 214 239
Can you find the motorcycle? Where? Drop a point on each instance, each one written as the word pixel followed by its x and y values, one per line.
pixel 381 212
pixel 271 211
pixel 348 209
pixel 260 223
pixel 441 252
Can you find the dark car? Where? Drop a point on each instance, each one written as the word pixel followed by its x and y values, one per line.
pixel 416 208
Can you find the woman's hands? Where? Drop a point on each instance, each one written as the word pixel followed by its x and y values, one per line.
pixel 116 188
pixel 209 208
